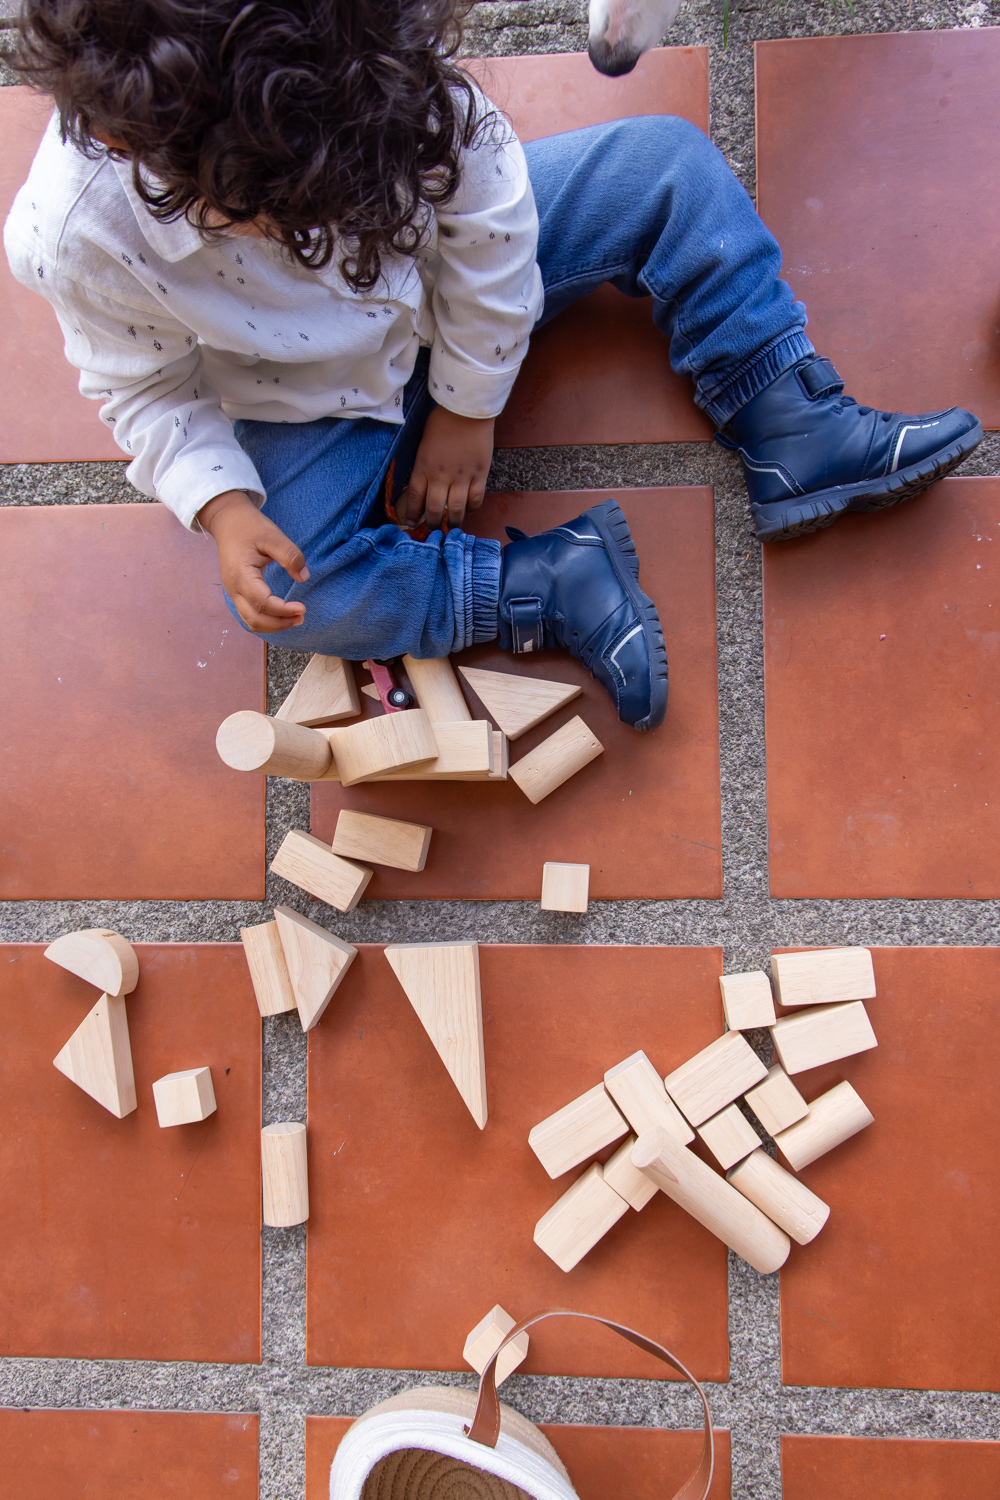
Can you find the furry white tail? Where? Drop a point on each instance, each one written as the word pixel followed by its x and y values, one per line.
pixel 622 30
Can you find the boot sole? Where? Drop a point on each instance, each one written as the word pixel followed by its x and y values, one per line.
pixel 614 529
pixel 813 512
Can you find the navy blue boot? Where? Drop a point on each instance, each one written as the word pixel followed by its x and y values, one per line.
pixel 811 454
pixel 577 586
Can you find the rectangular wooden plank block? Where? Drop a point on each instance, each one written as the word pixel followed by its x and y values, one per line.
pixel 823 976
pixel 437 689
pixel 389 743
pixel 268 969
pixel 325 692
pixel 555 760
pixel 776 1102
pixel 824 1034
pixel 729 1136
pixel 312 865
pixel 747 1001
pixel 382 841
pixel 785 1200
pixel 832 1119
pixel 720 1072
pixel 580 1129
pixel 638 1091
pixel 581 1217
pixel 565 887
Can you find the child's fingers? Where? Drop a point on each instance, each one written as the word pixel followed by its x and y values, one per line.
pixel 262 610
pixel 284 551
pixel 410 505
pixel 458 498
pixel 436 501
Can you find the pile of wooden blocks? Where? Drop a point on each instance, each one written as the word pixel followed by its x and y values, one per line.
pixel 757 1206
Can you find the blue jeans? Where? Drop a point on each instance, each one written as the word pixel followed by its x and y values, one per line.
pixel 648 204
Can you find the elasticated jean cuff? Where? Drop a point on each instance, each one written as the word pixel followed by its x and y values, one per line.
pixel 754 375
pixel 485 590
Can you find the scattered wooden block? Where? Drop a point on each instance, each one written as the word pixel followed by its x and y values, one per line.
pixel 628 1182
pixel 714 1077
pixel 517 704
pixel 317 962
pixel 832 1119
pixel 98 1058
pixel 576 1131
pixel 501 756
pixel 709 1198
pixel 486 1338
pixel 371 691
pixel 786 1201
pixel 776 1102
pixel 823 976
pixel 388 743
pixel 437 689
pixel 184 1098
pixel 464 753
pixel 324 693
pixel 638 1091
pixel 825 1034
pixel 249 741
pixel 284 1174
pixel 268 969
pixel 582 1216
pixel 556 759
pixel 312 865
pixel 729 1136
pixel 382 841
pixel 747 1000
pixel 441 981
pixel 565 887
pixel 99 956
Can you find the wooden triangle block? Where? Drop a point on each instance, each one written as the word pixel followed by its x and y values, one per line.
pixel 441 981
pixel 317 962
pixel 98 1058
pixel 99 956
pixel 324 693
pixel 517 704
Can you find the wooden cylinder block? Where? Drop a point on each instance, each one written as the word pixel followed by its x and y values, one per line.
pixel 556 759
pixel 709 1198
pixel 249 741
pixel 284 1174
pixel 832 1119
pixel 437 689
pixel 785 1200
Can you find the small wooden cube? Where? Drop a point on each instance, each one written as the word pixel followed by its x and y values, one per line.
pixel 580 1129
pixel 582 1216
pixel 486 1338
pixel 729 1136
pixel 381 841
pixel 822 1035
pixel 628 1182
pixel 565 887
pixel 747 1000
pixel 714 1077
pixel 776 1102
pixel 184 1098
pixel 823 976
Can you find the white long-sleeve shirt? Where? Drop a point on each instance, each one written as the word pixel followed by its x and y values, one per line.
pixel 178 337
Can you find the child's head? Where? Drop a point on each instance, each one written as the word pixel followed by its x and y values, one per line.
pixel 317 118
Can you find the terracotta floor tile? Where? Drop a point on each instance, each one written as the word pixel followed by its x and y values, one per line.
pixel 121 660
pixel 420 1223
pixel 881 639
pixel 115 1455
pixel 604 1463
pixel 842 1468
pixel 121 1240
pixel 600 372
pixel 873 231
pixel 645 815
pixel 45 417
pixel 902 1287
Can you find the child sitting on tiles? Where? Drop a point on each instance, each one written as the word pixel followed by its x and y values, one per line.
pixel 298 259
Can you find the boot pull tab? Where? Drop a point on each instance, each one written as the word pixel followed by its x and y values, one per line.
pixel 818 377
pixel 516 534
pixel 526 623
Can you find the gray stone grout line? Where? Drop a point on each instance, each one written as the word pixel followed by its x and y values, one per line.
pixel 746 922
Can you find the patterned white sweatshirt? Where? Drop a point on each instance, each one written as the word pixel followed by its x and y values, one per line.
pixel 178 337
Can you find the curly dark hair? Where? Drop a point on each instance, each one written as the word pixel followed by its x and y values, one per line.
pixel 325 120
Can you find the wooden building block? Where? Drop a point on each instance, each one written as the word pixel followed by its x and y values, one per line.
pixel 709 1198
pixel 832 1119
pixel 99 956
pixel 249 741
pixel 284 1174
pixel 268 969
pixel 638 1091
pixel 822 1035
pixel 464 753
pixel 501 756
pixel 628 1182
pixel 747 1000
pixel 388 743
pixel 729 1136
pixel 565 887
pixel 582 1216
pixel 324 693
pixel 312 865
pixel 578 1130
pixel 437 689
pixel 98 1058
pixel 786 1201
pixel 714 1077
pixel 371 691
pixel 486 1338
pixel 184 1098
pixel 382 841
pixel 517 703
pixel 317 962
pixel 776 1102
pixel 556 759
pixel 823 976
pixel 441 981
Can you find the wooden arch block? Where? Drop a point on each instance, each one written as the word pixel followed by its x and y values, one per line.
pixel 441 981
pixel 99 956
pixel 324 693
pixel 317 962
pixel 98 1058
pixel 517 704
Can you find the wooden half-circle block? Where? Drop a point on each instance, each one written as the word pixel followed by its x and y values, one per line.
pixel 517 704
pixel 441 981
pixel 316 960
pixel 98 1058
pixel 99 956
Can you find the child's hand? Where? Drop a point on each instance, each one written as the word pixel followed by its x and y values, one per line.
pixel 450 469
pixel 247 542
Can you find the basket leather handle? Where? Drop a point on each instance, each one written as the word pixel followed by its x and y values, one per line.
pixel 485 1427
